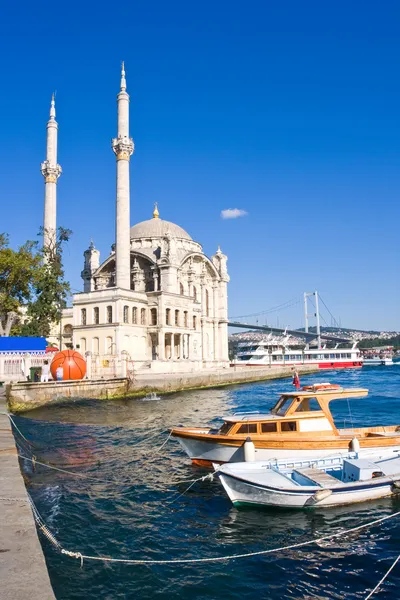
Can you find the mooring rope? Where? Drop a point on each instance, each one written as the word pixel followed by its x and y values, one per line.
pixel 208 477
pixel 146 439
pixel 133 561
pixel 34 461
pixel 16 427
pixel 378 585
pixel 162 445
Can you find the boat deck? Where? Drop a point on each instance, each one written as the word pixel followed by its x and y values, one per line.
pixel 319 477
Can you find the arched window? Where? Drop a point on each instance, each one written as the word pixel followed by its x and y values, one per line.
pixel 185 318
pixel 194 321
pixel 96 317
pixel 126 314
pixel 134 315
pixel 109 345
pixel 194 293
pixel 83 316
pixel 207 304
pixel 95 345
pixel 168 316
pixel 153 315
pixel 143 316
pixel 177 318
pixel 182 291
pixel 82 345
pixel 109 314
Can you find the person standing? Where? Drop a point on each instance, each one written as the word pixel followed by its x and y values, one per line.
pixel 44 378
pixel 59 373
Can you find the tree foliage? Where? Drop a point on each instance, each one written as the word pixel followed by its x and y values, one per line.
pixel 50 289
pixel 33 290
pixel 377 342
pixel 18 272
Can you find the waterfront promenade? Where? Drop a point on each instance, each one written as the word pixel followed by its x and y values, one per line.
pixel 24 396
pixel 23 571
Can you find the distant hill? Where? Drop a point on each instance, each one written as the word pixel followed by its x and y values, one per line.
pixel 340 330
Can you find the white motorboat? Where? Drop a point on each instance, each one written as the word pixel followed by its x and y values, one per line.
pixel 327 481
pixel 378 361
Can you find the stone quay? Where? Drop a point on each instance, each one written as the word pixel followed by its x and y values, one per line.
pixel 25 396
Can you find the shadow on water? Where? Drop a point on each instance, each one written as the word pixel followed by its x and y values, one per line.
pixel 132 507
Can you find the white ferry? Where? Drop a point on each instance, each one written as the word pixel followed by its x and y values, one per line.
pixel 276 353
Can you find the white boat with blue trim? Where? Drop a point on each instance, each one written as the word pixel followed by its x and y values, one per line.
pixel 323 482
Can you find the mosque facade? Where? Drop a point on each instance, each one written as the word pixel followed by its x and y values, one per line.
pixel 157 298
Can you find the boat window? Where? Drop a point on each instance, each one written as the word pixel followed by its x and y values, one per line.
pixel 288 426
pixel 307 405
pixel 225 428
pixel 281 406
pixel 248 428
pixel 268 427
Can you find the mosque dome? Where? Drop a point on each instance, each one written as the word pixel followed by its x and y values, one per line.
pixel 158 228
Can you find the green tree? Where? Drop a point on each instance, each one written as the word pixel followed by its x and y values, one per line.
pixel 18 272
pixel 50 290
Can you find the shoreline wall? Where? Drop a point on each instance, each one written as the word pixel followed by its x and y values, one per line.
pixel 23 570
pixel 25 396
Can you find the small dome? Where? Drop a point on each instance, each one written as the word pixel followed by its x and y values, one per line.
pixel 158 228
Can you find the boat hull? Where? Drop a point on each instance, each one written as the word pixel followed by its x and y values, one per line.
pixel 205 452
pixel 377 362
pixel 242 493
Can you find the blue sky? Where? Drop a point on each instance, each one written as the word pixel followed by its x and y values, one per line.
pixel 286 110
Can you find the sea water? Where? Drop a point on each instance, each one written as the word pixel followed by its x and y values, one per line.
pixel 129 504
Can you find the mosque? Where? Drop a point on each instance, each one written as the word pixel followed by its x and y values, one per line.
pixel 157 297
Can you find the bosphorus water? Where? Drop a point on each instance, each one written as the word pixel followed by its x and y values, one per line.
pixel 132 508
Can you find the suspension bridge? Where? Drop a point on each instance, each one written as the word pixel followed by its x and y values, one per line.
pixel 307 335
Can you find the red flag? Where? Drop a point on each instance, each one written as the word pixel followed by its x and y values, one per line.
pixel 296 380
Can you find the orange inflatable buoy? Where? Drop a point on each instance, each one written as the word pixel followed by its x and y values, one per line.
pixel 73 365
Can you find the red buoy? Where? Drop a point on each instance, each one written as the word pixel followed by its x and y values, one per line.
pixel 73 365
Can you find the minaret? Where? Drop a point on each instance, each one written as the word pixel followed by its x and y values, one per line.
pixel 51 171
pixel 123 148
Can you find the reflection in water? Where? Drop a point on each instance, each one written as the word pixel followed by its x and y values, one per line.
pixel 130 507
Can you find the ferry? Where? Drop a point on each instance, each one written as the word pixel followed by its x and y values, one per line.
pixel 275 353
pixel 299 425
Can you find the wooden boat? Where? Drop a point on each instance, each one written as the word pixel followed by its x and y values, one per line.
pixel 321 482
pixel 300 424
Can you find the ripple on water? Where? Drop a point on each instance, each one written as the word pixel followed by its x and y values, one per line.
pixel 132 508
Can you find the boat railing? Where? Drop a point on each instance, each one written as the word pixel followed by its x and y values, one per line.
pixel 247 412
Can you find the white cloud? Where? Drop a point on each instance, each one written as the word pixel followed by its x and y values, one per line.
pixel 233 213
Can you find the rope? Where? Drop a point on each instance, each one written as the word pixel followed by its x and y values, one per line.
pixel 146 439
pixel 34 461
pixel 181 561
pixel 376 588
pixel 162 446
pixel 16 427
pixel 208 477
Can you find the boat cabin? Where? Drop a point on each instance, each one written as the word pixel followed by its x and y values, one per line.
pixel 295 412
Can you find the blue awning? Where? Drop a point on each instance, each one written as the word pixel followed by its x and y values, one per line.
pixel 22 344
